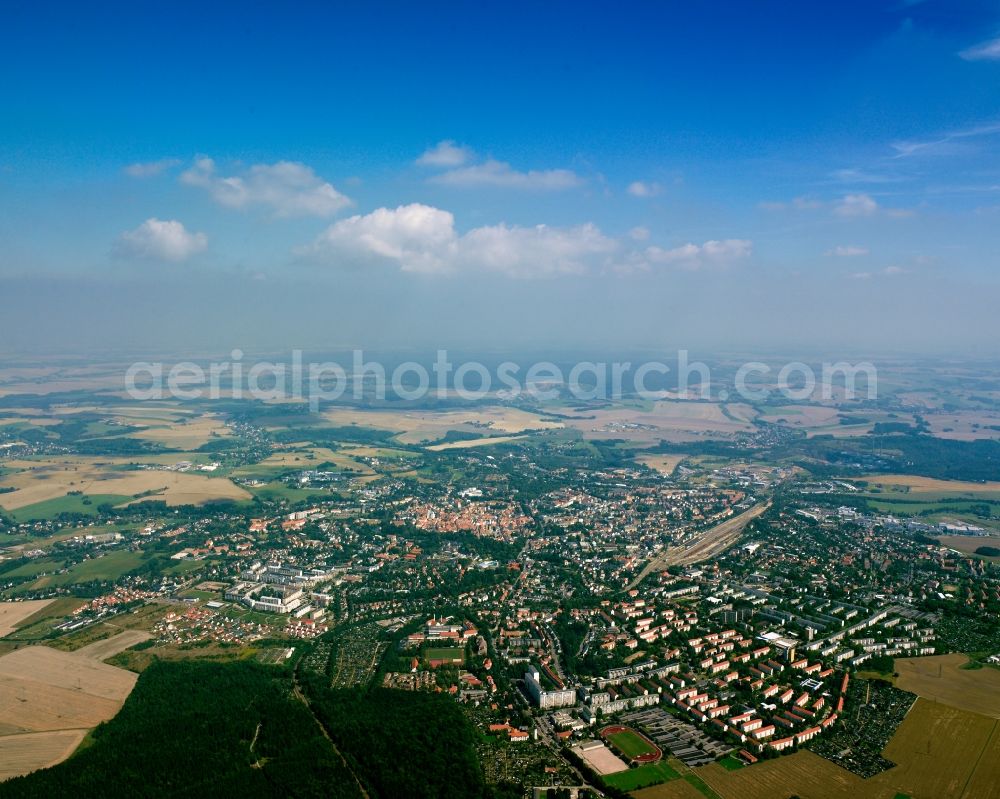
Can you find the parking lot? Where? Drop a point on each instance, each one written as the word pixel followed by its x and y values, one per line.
pixel 683 740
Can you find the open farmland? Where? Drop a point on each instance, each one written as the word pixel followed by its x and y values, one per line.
pixel 474 442
pixel 45 690
pixel 670 420
pixel 22 754
pixel 674 789
pixel 930 488
pixel 664 464
pixel 969 543
pixel 13 613
pixel 182 434
pixel 941 678
pixel 40 481
pixel 965 425
pixel 939 752
pixel 109 647
pixel 418 427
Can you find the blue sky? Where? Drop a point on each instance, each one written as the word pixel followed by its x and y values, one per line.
pixel 393 174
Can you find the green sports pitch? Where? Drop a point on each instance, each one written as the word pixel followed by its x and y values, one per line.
pixel 630 744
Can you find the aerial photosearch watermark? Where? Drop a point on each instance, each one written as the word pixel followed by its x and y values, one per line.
pixel 360 379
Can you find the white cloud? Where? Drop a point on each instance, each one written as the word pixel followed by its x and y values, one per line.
pixel 639 233
pixel 148 169
pixel 422 239
pixel 501 174
pixel 847 251
pixel 895 270
pixel 160 240
pixel 984 51
pixel 289 188
pixel 695 256
pixel 856 205
pixel 446 154
pixel 797 204
pixel 638 188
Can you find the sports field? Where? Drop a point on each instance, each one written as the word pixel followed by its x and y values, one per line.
pixel 633 745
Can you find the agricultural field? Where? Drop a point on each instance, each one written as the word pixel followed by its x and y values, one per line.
pixel 968 544
pixel 421 427
pixel 13 614
pixel 301 457
pixel 938 751
pixel 474 442
pixel 675 789
pixel 109 647
pixel 941 678
pixel 664 464
pixel 43 690
pixel 964 425
pixel 929 488
pixel 943 751
pixel 182 434
pixel 27 752
pixel 105 479
pixel 670 420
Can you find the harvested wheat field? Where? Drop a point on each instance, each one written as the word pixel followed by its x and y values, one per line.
pixel 941 678
pixel 42 480
pixel 108 647
pixel 474 442
pixel 184 435
pixel 664 464
pixel 942 751
pixel 929 485
pixel 671 420
pixel 675 789
pixel 939 751
pixel 22 754
pixel 45 690
pixel 417 427
pixel 13 613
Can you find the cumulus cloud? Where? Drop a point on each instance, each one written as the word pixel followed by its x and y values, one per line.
pixel 148 169
pixel 288 188
pixel 984 51
pixel 638 188
pixel 847 251
pixel 864 205
pixel 445 154
pixel 160 240
pixel 503 175
pixel 696 256
pixel 422 239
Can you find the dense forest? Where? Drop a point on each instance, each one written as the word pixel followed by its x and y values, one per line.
pixel 401 743
pixel 195 729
